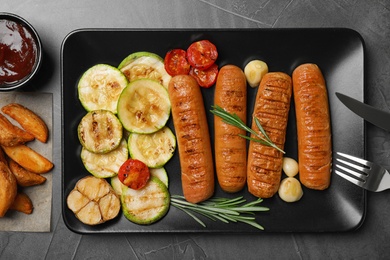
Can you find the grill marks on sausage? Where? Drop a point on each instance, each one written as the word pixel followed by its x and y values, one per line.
pixel 271 108
pixel 191 133
pixel 230 149
pixel 233 100
pixel 313 125
pixel 231 174
pixel 193 138
pixel 316 135
pixel 233 158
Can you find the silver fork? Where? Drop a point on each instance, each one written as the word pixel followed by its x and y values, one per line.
pixel 368 175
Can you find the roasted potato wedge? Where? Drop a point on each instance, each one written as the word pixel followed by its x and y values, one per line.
pixel 22 203
pixel 11 135
pixel 3 158
pixel 8 186
pixel 29 120
pixel 25 178
pixel 28 158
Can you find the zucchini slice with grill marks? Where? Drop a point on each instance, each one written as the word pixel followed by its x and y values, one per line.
pixel 147 205
pixel 100 86
pixel 100 131
pixel 144 106
pixel 145 65
pixel 107 164
pixel 160 173
pixel 155 150
pixel 117 185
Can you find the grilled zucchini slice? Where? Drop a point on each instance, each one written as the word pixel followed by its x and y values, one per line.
pixel 160 173
pixel 144 64
pixel 155 150
pixel 100 131
pixel 117 185
pixel 147 205
pixel 105 165
pixel 144 106
pixel 100 87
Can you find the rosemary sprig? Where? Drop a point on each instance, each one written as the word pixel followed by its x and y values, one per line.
pixel 234 120
pixel 222 209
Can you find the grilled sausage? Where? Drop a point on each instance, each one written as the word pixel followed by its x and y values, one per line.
pixel 230 149
pixel 193 138
pixel 271 107
pixel 313 126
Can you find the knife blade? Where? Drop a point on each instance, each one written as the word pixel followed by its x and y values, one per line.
pixel 369 113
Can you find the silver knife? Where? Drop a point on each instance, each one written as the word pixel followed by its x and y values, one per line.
pixel 371 114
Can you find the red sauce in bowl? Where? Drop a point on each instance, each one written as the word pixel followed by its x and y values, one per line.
pixel 18 52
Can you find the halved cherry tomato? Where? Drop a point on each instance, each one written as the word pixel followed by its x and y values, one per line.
pixel 134 174
pixel 175 62
pixel 202 54
pixel 205 78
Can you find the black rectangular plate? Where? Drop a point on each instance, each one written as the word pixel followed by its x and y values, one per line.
pixel 338 52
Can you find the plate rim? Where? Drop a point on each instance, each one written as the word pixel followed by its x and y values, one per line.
pixel 129 30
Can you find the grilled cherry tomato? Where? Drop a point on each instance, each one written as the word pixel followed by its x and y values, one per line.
pixel 202 54
pixel 134 174
pixel 205 78
pixel 175 62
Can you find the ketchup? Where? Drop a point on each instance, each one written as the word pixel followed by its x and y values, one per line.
pixel 17 52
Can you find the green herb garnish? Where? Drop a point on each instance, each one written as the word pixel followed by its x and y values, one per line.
pixel 222 209
pixel 234 120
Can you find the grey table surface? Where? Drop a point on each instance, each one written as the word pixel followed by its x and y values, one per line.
pixel 55 19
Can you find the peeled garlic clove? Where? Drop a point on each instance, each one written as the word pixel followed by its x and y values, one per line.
pixel 290 167
pixel 254 72
pixel 290 190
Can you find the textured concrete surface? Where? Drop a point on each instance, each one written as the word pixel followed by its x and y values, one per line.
pixel 55 19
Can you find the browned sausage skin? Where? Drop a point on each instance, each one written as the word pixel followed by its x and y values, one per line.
pixel 193 138
pixel 272 106
pixel 313 126
pixel 230 149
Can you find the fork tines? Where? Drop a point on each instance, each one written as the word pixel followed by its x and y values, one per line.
pixel 352 168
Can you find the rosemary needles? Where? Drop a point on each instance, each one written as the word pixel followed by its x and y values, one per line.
pixel 222 209
pixel 234 120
